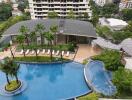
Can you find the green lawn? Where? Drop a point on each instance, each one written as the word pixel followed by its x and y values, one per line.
pixel 91 96
pixel 38 59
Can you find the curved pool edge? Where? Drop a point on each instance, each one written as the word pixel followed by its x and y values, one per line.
pixel 59 62
pixel 78 95
pixel 88 81
pixel 5 93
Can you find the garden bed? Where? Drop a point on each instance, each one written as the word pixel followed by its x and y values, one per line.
pixel 39 59
pixel 13 86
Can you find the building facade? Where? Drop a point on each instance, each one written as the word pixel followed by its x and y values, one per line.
pixel 125 4
pixel 103 2
pixel 40 8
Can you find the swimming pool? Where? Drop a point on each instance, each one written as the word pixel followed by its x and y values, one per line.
pixel 50 81
pixel 98 78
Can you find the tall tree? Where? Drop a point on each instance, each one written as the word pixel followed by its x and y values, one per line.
pixel 61 56
pixel 50 37
pixel 52 14
pixel 71 15
pixel 54 30
pixel 20 39
pixel 4 68
pixel 9 67
pixel 5 11
pixel 14 67
pixel 127 14
pixel 40 29
pixel 24 30
pixel 33 37
pixel 109 9
pixel 86 16
pixel 95 20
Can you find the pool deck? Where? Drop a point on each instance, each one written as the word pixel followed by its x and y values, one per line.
pixel 17 54
pixel 84 51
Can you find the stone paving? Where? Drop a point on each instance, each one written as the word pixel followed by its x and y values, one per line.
pixel 86 51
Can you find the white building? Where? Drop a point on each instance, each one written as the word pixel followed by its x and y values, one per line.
pixel 102 2
pixel 112 23
pixel 40 8
pixel 128 64
pixel 125 4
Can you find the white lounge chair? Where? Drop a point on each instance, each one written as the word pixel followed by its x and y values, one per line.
pixel 27 51
pixel 43 51
pixel 62 53
pixel 32 52
pixel 67 54
pixel 53 52
pixel 38 51
pixel 48 52
pixel 21 52
pixel 57 53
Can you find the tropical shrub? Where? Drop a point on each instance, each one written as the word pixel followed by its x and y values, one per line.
pixel 71 47
pixel 111 59
pixel 122 78
pixel 127 14
pixel 119 36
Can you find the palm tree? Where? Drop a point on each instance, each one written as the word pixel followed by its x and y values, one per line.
pixel 14 67
pixel 54 29
pixel 33 37
pixel 24 30
pixel 34 41
pixel 9 67
pixel 11 49
pixel 4 68
pixel 20 39
pixel 40 28
pixel 60 47
pixel 50 37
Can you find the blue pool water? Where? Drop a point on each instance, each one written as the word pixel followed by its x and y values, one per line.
pixel 99 78
pixel 50 81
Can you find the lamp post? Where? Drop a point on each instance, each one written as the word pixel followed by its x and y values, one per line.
pixel 11 50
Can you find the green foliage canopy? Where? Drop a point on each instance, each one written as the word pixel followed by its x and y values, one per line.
pixel 52 14
pixel 122 78
pixel 12 20
pixel 5 11
pixel 127 14
pixel 111 59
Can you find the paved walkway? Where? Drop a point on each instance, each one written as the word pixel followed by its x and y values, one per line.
pixel 7 53
pixel 85 51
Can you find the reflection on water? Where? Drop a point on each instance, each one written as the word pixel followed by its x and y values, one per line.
pixel 50 81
